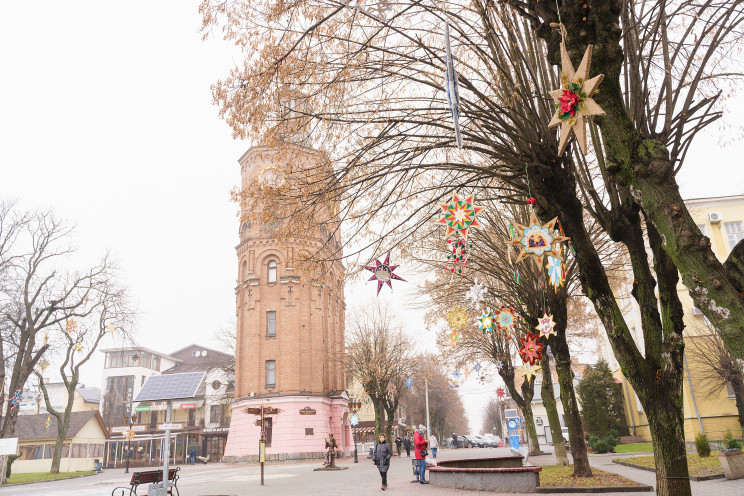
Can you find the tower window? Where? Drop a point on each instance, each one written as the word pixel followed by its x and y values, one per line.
pixel 270 324
pixel 272 271
pixel 270 373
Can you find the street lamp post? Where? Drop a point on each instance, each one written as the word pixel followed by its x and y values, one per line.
pixel 354 420
pixel 130 421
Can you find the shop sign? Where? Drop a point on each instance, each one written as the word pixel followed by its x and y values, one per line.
pixel 187 406
pixel 142 408
pixel 216 429
pixel 124 428
pixel 170 426
pixel 307 411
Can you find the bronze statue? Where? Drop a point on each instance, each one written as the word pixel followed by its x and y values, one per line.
pixel 330 460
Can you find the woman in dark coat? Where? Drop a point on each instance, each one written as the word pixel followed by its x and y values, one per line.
pixel 381 458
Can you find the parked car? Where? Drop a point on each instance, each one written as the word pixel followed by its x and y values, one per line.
pixel 474 441
pixel 494 441
pixel 483 442
pixel 447 443
pixel 462 442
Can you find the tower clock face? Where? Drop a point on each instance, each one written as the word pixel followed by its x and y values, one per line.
pixel 271 177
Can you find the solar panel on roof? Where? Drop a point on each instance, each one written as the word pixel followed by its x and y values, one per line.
pixel 170 386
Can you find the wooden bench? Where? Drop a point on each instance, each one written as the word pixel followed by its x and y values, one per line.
pixel 149 477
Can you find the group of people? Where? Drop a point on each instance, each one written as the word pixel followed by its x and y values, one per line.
pixel 384 452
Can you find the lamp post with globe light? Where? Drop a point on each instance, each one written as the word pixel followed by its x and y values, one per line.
pixel 354 407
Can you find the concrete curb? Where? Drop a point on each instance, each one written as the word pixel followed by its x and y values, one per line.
pixel 50 480
pixel 695 478
pixel 603 489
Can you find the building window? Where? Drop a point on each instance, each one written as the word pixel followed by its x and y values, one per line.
pixel 730 390
pixel 270 373
pixel 309 431
pixel 270 324
pixel 272 271
pixel 735 232
pixel 214 414
pixel 192 417
pixel 79 450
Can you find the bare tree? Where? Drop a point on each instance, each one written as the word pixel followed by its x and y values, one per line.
pixel 494 418
pixel 226 336
pixel 716 368
pixel 37 297
pixel 380 356
pixel 105 310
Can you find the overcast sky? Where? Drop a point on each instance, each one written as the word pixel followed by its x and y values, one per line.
pixel 106 116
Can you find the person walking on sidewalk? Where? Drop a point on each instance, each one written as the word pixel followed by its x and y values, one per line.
pixel 434 445
pixel 398 444
pixel 381 458
pixel 419 443
pixel 407 445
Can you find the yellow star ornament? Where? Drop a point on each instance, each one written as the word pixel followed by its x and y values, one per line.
pixel 574 100
pixel 537 240
pixel 529 371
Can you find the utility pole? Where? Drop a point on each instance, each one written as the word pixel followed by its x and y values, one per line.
pixel 426 385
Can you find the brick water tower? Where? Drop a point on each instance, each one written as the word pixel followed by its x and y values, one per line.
pixel 290 325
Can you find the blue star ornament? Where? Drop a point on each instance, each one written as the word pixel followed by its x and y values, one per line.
pixel 383 273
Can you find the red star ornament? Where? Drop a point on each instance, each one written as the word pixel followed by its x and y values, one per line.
pixel 531 350
pixel 459 216
pixel 500 392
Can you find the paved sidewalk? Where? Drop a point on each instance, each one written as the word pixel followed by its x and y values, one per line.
pixel 360 479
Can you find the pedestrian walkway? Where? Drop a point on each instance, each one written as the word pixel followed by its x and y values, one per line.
pixel 360 479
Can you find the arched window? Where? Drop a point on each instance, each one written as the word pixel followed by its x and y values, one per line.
pixel 272 271
pixel 244 271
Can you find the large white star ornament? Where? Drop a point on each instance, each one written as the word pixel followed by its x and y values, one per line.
pixel 574 100
pixel 477 293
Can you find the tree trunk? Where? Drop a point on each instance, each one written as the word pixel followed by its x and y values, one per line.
pixel 737 383
pixel 379 418
pixel 573 419
pixel 550 407
pixel 668 434
pixel 529 423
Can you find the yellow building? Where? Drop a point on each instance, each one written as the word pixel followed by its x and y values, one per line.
pixel 706 409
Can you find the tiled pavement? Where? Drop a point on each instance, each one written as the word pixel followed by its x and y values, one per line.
pixel 360 479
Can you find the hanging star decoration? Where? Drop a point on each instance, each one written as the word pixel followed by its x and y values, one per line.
pixel 459 216
pixel 458 255
pixel 531 350
pixel 457 317
pixel 453 383
pixel 574 102
pixel 409 383
pixel 450 83
pixel 78 348
pixel 383 273
pixel 48 421
pixel 454 337
pixel 477 293
pixel 366 399
pixel 485 322
pixel 506 318
pixel 545 325
pixel 529 371
pixel 111 327
pixel 499 364
pixel 70 326
pixel 556 272
pixel 500 392
pixel 477 367
pixel 536 240
pixel 15 402
pixel 466 372
pixel 391 389
pixel 43 363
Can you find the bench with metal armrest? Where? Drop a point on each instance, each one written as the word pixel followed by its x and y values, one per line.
pixel 149 477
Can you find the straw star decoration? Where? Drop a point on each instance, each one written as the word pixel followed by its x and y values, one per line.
pixel 574 100
pixel 545 325
pixel 383 273
pixel 537 240
pixel 529 371
pixel 459 216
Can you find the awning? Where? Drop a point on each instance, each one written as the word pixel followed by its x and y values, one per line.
pixel 362 430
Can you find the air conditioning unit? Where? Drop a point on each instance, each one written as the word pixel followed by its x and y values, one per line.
pixel 714 217
pixel 696 311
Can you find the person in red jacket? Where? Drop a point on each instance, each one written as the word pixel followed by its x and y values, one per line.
pixel 419 443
